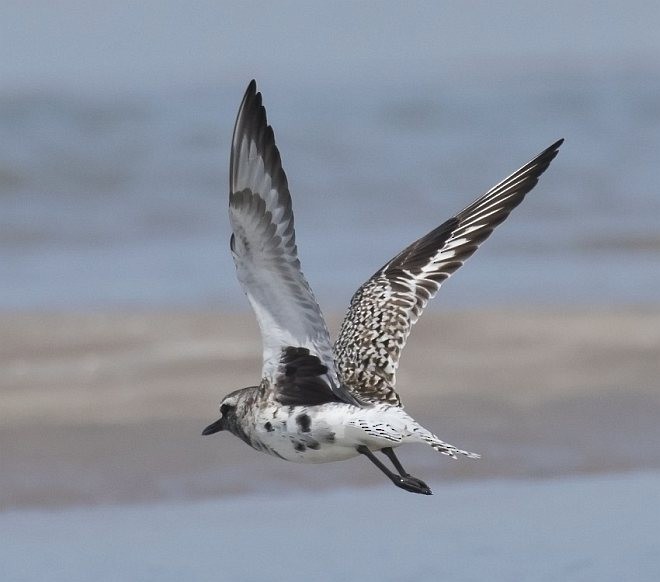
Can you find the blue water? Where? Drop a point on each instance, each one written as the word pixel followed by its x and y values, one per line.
pixel 115 128
pixel 577 529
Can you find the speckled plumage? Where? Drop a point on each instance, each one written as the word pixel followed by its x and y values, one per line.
pixel 321 433
pixel 384 309
pixel 316 402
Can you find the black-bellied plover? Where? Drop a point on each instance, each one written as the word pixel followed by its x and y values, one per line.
pixel 317 403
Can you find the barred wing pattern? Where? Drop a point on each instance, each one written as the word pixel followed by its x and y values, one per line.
pixel 384 309
pixel 264 247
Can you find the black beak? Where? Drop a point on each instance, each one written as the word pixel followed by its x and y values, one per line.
pixel 217 426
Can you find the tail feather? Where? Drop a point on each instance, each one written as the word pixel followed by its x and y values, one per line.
pixel 447 449
pixel 452 451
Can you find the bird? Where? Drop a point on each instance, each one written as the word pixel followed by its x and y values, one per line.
pixel 317 402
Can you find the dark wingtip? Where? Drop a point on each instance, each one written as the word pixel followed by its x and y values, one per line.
pixel 543 159
pixel 250 97
pixel 553 149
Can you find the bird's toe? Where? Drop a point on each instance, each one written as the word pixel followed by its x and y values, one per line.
pixel 414 485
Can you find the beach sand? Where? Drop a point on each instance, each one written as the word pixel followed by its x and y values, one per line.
pixel 108 408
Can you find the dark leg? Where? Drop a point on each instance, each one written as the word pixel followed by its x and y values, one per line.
pixel 405 482
pixel 389 453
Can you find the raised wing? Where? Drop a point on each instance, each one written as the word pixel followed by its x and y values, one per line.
pixel 384 309
pixel 263 245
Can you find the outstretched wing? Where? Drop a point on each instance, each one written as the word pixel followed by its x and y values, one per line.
pixel 384 309
pixel 263 245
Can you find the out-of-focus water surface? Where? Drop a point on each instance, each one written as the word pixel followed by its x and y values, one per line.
pixel 601 528
pixel 113 185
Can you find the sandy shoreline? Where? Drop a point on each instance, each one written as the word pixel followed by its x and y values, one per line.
pixel 105 408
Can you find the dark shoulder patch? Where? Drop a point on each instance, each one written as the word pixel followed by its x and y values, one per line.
pixel 300 381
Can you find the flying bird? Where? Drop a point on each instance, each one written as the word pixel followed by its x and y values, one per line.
pixel 315 402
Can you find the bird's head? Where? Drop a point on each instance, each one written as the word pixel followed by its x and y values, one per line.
pixel 232 410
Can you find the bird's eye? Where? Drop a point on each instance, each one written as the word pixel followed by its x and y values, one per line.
pixel 224 409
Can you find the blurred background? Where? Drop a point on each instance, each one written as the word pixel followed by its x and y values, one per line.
pixel 122 324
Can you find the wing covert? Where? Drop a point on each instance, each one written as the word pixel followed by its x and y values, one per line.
pixel 384 309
